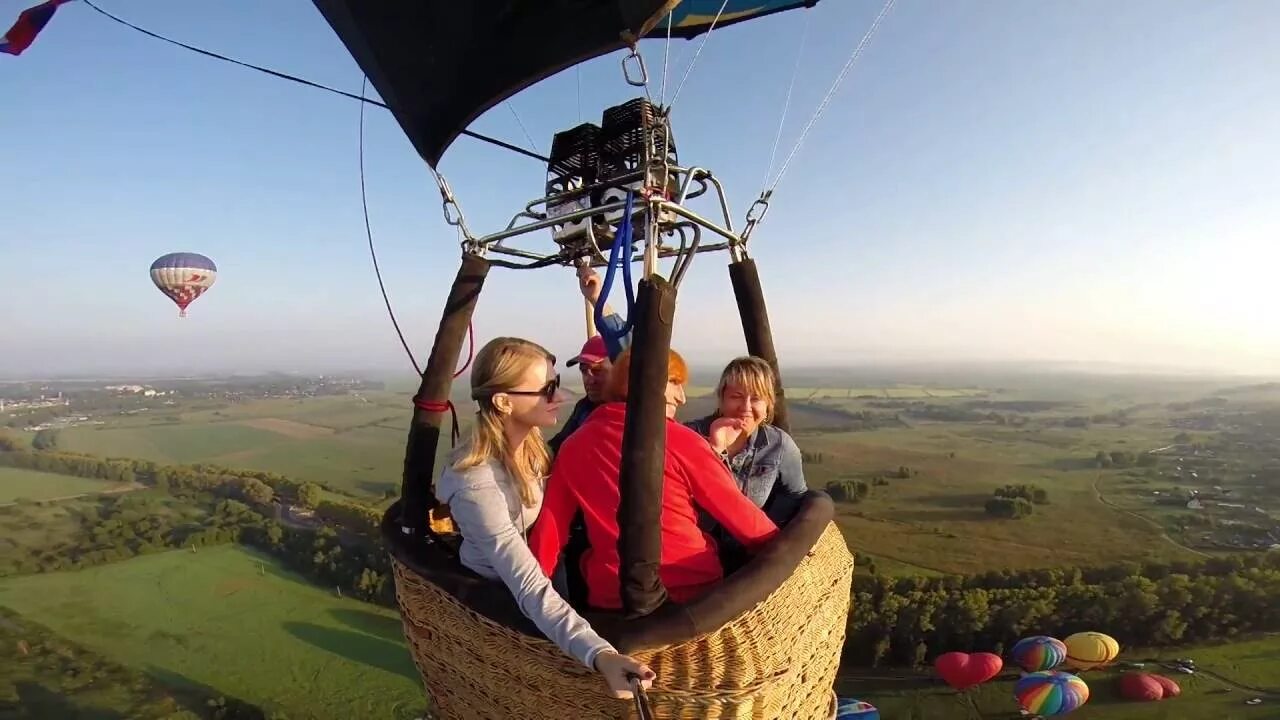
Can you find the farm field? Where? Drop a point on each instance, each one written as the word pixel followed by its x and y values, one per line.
pixel 934 521
pixel 353 443
pixel 229 619
pixel 19 484
pixel 1254 663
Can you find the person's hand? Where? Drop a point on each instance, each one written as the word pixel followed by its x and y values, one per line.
pixel 724 431
pixel 619 669
pixel 589 283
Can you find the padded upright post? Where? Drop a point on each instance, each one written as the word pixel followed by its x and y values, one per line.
pixel 644 443
pixel 417 488
pixel 755 325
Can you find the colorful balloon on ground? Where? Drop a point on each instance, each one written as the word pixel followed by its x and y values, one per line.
pixel 962 670
pixel 1050 692
pixel 1170 688
pixel 1039 652
pixel 1140 686
pixel 183 277
pixel 1088 650
pixel 850 709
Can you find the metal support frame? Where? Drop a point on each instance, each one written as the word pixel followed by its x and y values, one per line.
pixel 694 183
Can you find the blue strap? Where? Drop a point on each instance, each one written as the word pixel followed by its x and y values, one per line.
pixel 619 254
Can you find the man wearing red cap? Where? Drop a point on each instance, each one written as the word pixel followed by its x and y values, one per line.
pixel 594 360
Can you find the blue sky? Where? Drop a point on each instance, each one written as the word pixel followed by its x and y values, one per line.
pixel 1081 180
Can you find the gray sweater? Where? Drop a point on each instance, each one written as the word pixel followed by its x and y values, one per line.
pixel 486 506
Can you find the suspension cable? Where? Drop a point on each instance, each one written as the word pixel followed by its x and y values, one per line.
pixel 786 104
pixel 368 231
pixel 666 60
pixel 302 81
pixel 694 61
pixel 523 129
pixel 853 59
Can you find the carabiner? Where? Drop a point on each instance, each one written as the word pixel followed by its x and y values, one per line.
pixel 626 69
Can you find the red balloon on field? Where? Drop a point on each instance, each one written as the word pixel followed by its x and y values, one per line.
pixel 964 670
pixel 1140 686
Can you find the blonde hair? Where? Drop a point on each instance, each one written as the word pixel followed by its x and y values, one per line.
pixel 498 367
pixel 619 383
pixel 752 374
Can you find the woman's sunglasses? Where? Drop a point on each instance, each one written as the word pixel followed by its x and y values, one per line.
pixel 548 391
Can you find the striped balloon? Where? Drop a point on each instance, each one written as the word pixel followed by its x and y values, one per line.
pixel 1051 692
pixel 851 709
pixel 183 277
pixel 1039 652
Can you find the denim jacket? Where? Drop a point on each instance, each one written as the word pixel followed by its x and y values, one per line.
pixel 769 470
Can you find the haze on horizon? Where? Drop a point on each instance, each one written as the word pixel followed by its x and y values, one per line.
pixel 995 181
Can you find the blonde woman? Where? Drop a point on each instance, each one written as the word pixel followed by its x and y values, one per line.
pixel 494 489
pixel 764 459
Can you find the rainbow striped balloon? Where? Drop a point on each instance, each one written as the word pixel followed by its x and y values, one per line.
pixel 1039 652
pixel 1050 692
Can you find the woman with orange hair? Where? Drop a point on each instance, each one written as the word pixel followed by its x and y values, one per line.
pixel 585 477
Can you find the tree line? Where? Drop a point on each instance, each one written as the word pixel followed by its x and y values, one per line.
pixel 1123 459
pixel 912 620
pixel 223 506
pixel 252 486
pixel 126 526
pixel 1015 501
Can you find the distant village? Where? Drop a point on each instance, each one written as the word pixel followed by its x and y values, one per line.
pixel 1229 487
pixel 51 406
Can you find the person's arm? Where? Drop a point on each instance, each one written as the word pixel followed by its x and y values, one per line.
pixel 551 532
pixel 479 507
pixel 615 341
pixel 790 489
pixel 715 491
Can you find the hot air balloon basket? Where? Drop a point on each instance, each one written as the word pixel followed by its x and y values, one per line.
pixel 777 660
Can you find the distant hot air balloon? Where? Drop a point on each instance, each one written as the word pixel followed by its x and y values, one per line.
pixel 962 670
pixel 183 277
pixel 1088 650
pixel 1140 686
pixel 1050 692
pixel 1039 652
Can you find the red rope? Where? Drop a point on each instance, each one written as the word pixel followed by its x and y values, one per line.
pixel 446 405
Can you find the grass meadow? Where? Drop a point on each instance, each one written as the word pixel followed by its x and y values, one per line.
pixel 232 620
pixel 17 484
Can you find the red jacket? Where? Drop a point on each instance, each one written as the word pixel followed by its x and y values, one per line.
pixel 585 476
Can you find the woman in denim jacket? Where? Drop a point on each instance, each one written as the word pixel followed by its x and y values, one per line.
pixel 764 459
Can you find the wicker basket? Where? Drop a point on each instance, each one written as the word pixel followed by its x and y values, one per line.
pixel 776 661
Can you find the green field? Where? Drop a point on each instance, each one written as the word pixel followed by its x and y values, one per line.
pixel 232 620
pixel 934 520
pixel 354 444
pixel 18 484
pixel 1211 694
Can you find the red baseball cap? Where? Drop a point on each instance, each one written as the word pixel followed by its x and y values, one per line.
pixel 593 351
